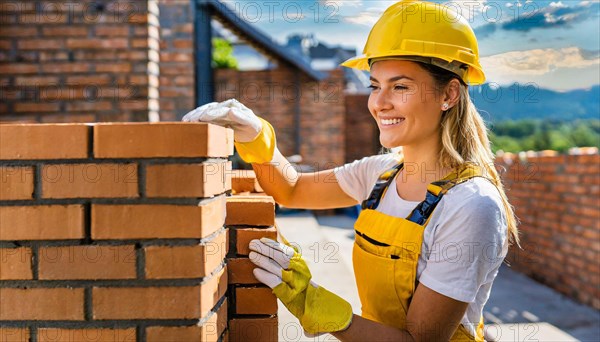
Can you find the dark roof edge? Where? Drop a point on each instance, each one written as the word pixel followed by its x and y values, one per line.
pixel 225 13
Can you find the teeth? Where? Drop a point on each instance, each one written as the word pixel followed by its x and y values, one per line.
pixel 391 121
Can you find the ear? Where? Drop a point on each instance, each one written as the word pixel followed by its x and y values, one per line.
pixel 452 93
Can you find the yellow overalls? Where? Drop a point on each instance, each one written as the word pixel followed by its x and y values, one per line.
pixel 386 251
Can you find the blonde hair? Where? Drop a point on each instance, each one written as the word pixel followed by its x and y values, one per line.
pixel 464 138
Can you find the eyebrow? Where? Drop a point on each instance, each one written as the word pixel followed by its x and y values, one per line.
pixel 393 79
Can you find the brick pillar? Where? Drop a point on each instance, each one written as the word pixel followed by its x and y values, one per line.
pixel 113 232
pixel 253 307
pixel 79 61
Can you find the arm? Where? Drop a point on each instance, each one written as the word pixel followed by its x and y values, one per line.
pixel 431 317
pixel 312 190
pixel 256 143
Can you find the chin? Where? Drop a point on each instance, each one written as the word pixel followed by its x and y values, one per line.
pixel 389 143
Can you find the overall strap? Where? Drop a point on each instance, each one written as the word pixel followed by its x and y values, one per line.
pixel 437 190
pixel 380 187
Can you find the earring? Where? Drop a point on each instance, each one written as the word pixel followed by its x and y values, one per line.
pixel 445 106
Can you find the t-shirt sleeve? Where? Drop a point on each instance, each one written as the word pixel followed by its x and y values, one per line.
pixel 469 245
pixel 358 178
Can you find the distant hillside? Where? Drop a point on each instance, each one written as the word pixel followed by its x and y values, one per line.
pixel 527 102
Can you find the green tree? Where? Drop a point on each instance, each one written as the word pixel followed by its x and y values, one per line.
pixel 223 54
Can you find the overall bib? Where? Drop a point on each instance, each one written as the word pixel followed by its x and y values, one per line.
pixel 387 248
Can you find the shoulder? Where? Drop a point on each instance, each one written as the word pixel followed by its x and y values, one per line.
pixel 371 166
pixel 357 178
pixel 474 209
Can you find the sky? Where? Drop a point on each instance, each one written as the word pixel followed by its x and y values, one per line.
pixel 552 44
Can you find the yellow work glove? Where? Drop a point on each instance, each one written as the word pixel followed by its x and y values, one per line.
pixel 254 137
pixel 283 270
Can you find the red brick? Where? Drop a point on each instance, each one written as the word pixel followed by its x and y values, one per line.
pixel 89 181
pixel 45 141
pixel 255 301
pixel 186 302
pixel 187 180
pixel 44 222
pixel 14 334
pixel 50 304
pixel 87 262
pixel 83 335
pixel 88 80
pixel 186 261
pixel 244 236
pixel 149 221
pixel 183 44
pixel 15 264
pixel 19 68
pixel 123 67
pixel 151 140
pixel 36 81
pixel 70 67
pixel 18 31
pixel 210 331
pixel 89 106
pixel 69 118
pixel 65 31
pixel 16 183
pixel 253 329
pixel 112 31
pixel 240 271
pixel 250 210
pixel 40 44
pixel 244 181
pixel 95 43
pixel 146 302
pixel 36 107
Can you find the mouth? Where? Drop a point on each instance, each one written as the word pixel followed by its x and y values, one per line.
pixel 388 122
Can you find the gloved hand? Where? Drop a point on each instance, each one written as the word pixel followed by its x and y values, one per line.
pixel 286 273
pixel 254 137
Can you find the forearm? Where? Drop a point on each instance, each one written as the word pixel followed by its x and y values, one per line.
pixel 363 329
pixel 277 178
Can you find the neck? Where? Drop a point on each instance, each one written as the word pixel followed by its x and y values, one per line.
pixel 421 163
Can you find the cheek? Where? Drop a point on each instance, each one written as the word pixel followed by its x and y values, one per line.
pixel 370 105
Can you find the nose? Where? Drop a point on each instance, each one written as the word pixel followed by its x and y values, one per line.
pixel 380 101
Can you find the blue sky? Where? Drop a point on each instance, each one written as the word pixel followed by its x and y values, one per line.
pixel 554 44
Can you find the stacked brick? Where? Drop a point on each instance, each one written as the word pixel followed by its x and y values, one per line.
pixel 79 61
pixel 113 232
pixel 556 198
pixel 253 307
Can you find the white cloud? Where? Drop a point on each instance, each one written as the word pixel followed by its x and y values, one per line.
pixel 340 3
pixel 558 4
pixel 367 18
pixel 536 62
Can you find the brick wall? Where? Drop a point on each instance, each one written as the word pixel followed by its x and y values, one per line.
pixel 79 61
pixel 362 134
pixel 282 96
pixel 114 232
pixel 177 82
pixel 557 199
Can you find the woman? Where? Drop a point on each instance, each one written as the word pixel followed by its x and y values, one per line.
pixel 435 224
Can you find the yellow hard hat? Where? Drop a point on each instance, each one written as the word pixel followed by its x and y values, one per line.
pixel 427 32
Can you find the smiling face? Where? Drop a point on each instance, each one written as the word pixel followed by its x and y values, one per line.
pixel 405 103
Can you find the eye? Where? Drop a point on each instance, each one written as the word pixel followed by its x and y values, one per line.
pixel 400 87
pixel 373 87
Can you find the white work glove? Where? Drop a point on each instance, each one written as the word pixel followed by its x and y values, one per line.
pixel 231 114
pixel 286 273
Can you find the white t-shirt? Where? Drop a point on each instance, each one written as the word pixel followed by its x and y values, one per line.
pixel 464 243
